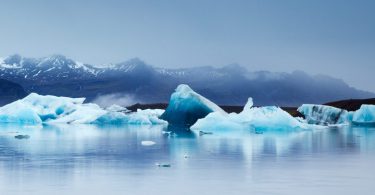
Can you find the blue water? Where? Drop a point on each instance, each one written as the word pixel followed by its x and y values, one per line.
pixel 86 159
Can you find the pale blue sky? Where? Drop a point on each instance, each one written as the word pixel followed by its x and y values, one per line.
pixel 333 37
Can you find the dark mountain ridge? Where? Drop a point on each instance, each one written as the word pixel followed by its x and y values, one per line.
pixel 228 85
pixel 10 91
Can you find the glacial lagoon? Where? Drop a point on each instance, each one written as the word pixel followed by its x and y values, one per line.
pixel 91 159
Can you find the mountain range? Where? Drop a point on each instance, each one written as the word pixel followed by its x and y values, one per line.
pixel 227 85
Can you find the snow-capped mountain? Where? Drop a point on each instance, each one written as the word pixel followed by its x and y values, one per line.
pixel 49 69
pixel 231 84
pixel 60 68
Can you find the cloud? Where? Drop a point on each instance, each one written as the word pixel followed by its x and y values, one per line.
pixel 115 98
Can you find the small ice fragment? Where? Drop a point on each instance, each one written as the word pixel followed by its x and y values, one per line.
pixel 186 156
pixel 147 143
pixel 163 165
pixel 22 136
pixel 205 133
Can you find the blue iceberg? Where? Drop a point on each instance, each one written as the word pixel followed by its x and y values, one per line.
pixel 365 115
pixel 38 109
pixel 251 118
pixel 186 107
pixel 324 115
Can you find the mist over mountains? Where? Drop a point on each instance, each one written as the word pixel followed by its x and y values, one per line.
pixel 227 85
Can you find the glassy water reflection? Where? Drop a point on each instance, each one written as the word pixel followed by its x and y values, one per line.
pixel 86 159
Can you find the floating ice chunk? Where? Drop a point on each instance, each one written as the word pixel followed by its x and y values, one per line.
pixel 251 118
pixel 22 136
pixel 37 109
pixel 216 121
pixel 204 133
pixel 270 117
pixel 186 107
pixel 324 115
pixel 50 107
pixel 18 113
pixel 141 117
pixel 147 143
pixel 163 164
pixel 327 115
pixel 82 114
pixel 365 115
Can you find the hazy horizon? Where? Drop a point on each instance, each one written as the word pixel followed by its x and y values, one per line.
pixel 334 38
pixel 106 65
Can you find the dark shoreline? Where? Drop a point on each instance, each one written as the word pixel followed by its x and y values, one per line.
pixel 349 105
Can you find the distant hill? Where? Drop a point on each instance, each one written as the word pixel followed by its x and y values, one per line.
pixel 10 91
pixel 228 85
pixel 351 104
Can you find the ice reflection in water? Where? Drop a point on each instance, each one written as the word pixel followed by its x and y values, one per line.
pixel 83 159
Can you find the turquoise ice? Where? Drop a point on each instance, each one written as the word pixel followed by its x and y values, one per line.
pixel 38 109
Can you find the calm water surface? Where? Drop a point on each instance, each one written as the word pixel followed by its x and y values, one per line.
pixel 84 159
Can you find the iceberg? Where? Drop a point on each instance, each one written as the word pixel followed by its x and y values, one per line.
pixel 364 115
pixel 324 115
pixel 35 109
pixel 141 117
pixel 327 115
pixel 251 118
pixel 38 109
pixel 186 107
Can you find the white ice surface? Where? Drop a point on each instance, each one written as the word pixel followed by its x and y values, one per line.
pixel 324 115
pixel 366 114
pixel 39 109
pixel 251 118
